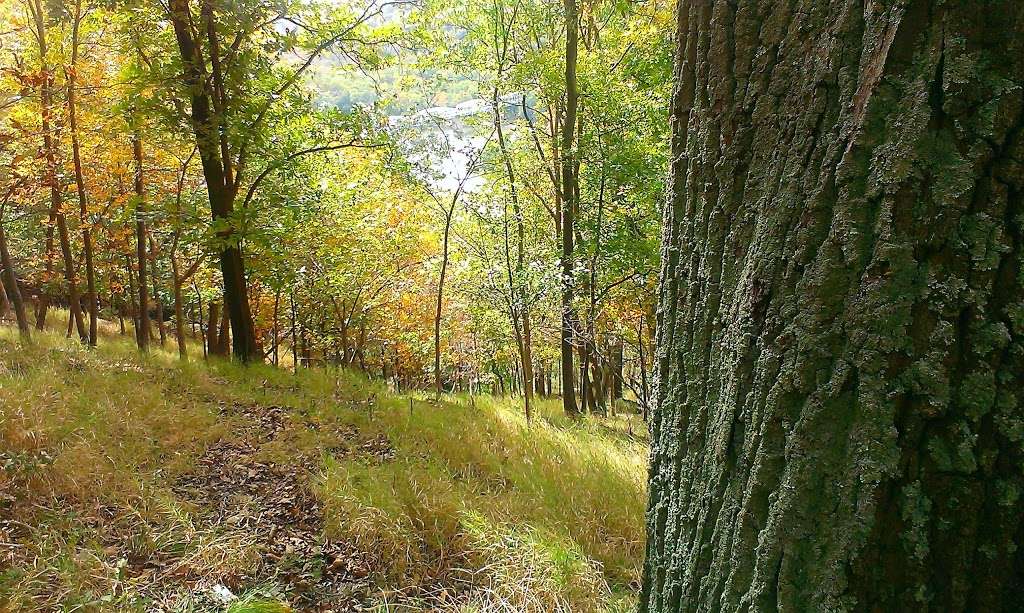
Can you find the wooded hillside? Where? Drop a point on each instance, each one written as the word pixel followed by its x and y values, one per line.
pixel 378 304
pixel 179 170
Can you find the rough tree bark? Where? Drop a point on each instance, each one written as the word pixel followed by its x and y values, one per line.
pixel 841 333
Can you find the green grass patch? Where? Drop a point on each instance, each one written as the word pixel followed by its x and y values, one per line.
pixel 460 503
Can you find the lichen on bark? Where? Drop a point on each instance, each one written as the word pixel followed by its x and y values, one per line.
pixel 841 322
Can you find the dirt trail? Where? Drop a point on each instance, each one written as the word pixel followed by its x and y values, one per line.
pixel 235 487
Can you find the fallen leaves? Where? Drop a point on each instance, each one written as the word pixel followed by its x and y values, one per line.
pixel 234 487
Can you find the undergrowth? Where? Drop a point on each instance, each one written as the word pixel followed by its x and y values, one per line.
pixel 454 505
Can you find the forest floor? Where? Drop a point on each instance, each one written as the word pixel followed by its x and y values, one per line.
pixel 132 483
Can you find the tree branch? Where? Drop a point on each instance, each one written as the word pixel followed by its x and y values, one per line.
pixel 292 156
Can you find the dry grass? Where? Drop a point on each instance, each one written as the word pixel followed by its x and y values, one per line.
pixel 460 505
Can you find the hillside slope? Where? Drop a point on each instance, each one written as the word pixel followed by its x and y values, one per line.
pixel 133 483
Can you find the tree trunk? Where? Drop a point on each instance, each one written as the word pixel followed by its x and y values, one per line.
pixel 220 185
pixel 161 325
pixel 518 286
pixel 5 303
pixel 295 338
pixel 277 324
pixel 616 370
pixel 92 300
pixel 645 394
pixel 120 313
pixel 142 331
pixel 10 285
pixel 223 339
pixel 154 253
pixel 53 179
pixel 212 337
pixel 840 358
pixel 179 308
pixel 36 9
pixel 132 306
pixel 440 292
pixel 199 309
pixel 569 206
pixel 360 351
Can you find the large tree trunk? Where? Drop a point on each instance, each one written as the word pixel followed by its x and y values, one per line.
pixel 841 340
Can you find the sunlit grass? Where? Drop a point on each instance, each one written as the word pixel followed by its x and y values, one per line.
pixel 477 511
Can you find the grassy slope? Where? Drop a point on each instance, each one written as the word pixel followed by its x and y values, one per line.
pixel 453 506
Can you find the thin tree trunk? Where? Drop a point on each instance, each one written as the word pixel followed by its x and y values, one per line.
pixel 277 325
pixel 154 253
pixel 179 308
pixel 645 394
pixel 92 300
pixel 46 286
pixel 120 317
pixel 53 179
pixel 295 339
pixel 568 207
pixel 10 285
pixel 39 23
pixel 212 335
pixel 615 369
pixel 132 305
pixel 5 302
pixel 203 331
pixel 223 337
pixel 519 299
pixel 440 291
pixel 142 332
pixel 840 357
pixel 360 355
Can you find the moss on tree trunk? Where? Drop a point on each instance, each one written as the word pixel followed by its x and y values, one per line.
pixel 841 335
